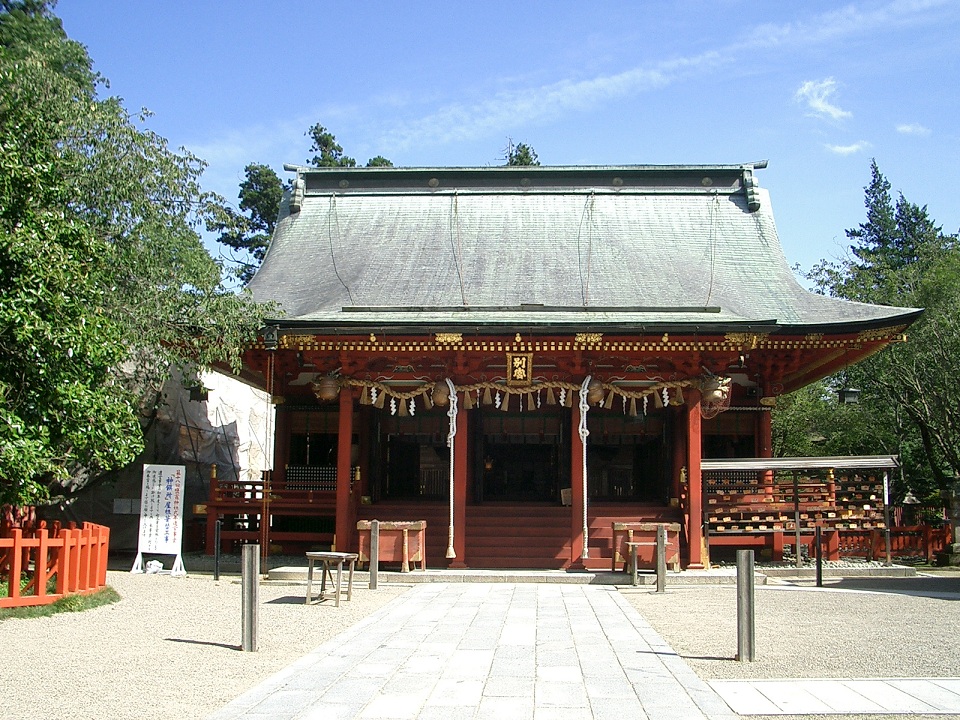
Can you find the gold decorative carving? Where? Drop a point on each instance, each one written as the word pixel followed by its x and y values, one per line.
pixel 588 338
pixel 288 342
pixel 814 337
pixel 880 333
pixel 449 338
pixel 748 341
pixel 519 368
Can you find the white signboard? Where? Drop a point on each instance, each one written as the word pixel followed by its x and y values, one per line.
pixel 161 515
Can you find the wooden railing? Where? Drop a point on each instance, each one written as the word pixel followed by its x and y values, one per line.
pixel 77 557
pixel 914 541
pixel 303 485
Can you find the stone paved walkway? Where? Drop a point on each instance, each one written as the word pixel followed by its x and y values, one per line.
pixel 489 650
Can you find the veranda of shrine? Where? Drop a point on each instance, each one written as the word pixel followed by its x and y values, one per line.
pixel 528 359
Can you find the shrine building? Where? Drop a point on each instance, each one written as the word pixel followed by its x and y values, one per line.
pixel 523 357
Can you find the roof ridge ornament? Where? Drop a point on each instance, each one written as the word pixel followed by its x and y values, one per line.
pixel 750 189
pixel 296 194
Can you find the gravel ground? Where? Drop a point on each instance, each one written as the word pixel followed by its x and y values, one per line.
pixel 851 628
pixel 169 649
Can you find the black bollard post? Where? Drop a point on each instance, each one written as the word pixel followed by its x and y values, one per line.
pixel 216 551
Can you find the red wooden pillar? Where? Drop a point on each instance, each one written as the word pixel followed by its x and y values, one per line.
pixel 694 483
pixel 281 443
pixel 345 524
pixel 765 447
pixel 460 454
pixel 777 540
pixel 577 499
pixel 679 458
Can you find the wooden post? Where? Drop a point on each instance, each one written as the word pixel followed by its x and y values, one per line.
pixel 63 561
pixel 694 482
pixel 765 448
pixel 281 443
pixel 746 608
pixel 833 545
pixel 85 557
pixel 796 518
pixel 40 563
pixel 345 524
pixel 374 553
pixel 250 589
pixel 679 455
pixel 577 499
pixel 661 558
pixel 16 564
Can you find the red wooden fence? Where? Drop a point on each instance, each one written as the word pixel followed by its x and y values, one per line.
pixel 77 557
pixel 919 541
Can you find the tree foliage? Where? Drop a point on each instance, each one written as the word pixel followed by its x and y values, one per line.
pixel 261 191
pixel 520 154
pixel 900 256
pixel 104 283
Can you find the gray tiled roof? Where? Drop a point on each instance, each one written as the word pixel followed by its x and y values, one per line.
pixel 657 247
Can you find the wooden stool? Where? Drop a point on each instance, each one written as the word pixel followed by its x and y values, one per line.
pixel 328 559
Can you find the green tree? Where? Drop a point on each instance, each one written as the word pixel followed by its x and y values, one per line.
pixel 104 283
pixel 248 232
pixel 379 161
pixel 899 256
pixel 520 154
pixel 328 151
pixel 261 192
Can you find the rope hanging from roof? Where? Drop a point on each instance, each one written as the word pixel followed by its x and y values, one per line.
pixel 451 436
pixel 584 433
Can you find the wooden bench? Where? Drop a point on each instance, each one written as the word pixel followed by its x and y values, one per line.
pixel 644 536
pixel 400 541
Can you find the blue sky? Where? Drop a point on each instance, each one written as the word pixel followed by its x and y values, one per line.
pixel 816 88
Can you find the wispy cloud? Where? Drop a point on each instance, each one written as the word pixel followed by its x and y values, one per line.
pixel 851 19
pixel 462 121
pixel 848 149
pixel 816 95
pixel 912 129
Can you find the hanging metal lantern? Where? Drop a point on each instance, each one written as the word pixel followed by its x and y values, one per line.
pixel 441 393
pixel 595 392
pixel 849 396
pixel 327 388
